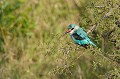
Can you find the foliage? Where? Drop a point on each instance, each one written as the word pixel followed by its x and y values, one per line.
pixel 31 46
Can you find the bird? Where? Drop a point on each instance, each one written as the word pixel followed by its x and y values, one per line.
pixel 79 36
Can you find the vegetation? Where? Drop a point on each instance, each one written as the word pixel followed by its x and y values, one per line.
pixel 31 46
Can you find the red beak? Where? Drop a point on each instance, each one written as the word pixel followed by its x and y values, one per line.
pixel 69 30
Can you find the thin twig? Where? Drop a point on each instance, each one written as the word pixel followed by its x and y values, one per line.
pixel 98 6
pixel 107 57
pixel 76 3
pixel 92 28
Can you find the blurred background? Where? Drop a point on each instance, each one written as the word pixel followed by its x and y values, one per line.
pixel 31 47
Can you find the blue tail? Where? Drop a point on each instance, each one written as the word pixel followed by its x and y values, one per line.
pixel 92 43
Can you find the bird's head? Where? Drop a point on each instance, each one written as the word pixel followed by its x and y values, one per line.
pixel 72 28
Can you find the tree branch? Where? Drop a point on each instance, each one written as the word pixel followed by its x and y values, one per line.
pixel 92 28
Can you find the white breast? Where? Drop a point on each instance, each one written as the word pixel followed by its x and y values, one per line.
pixel 75 28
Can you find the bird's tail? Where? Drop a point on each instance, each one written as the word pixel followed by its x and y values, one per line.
pixel 92 43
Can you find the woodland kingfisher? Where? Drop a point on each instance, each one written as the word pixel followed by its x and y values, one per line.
pixel 79 36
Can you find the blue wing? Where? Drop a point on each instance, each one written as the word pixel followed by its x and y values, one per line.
pixel 81 33
pixel 81 37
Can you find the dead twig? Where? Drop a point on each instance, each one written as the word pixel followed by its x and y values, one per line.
pixel 92 28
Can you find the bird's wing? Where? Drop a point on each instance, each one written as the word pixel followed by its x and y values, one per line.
pixel 81 37
pixel 77 37
pixel 81 33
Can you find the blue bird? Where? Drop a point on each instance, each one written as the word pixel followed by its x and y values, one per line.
pixel 79 36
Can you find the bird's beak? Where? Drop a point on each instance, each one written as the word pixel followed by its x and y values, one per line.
pixel 69 30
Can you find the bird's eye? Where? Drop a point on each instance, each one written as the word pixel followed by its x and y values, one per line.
pixel 72 28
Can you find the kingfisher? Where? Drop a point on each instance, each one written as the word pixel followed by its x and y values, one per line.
pixel 79 36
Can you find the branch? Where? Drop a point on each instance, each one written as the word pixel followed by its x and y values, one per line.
pixel 76 3
pixel 117 23
pixel 92 28
pixel 108 58
pixel 98 6
pixel 108 33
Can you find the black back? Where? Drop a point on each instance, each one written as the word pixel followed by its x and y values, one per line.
pixel 77 37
